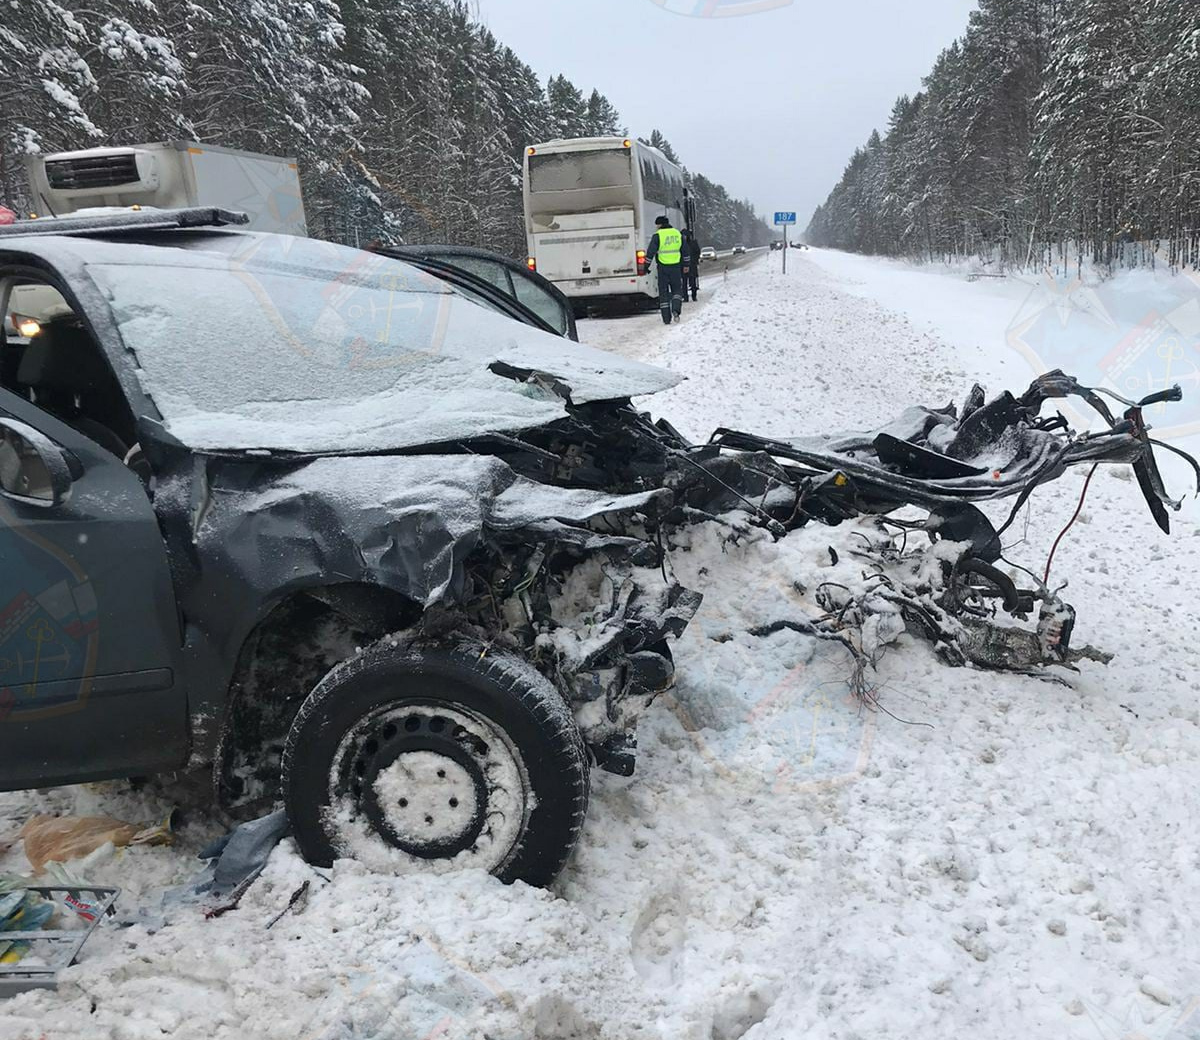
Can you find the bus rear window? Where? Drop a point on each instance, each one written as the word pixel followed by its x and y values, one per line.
pixel 576 171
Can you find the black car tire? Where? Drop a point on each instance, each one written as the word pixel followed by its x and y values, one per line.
pixel 381 709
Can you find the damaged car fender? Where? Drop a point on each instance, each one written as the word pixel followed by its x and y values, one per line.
pixel 462 541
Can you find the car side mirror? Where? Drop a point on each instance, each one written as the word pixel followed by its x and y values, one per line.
pixel 33 469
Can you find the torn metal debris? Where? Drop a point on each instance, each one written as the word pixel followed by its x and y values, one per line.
pixel 952 590
pixel 554 543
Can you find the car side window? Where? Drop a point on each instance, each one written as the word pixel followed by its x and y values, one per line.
pixel 495 273
pixel 545 306
pixel 514 282
pixel 51 360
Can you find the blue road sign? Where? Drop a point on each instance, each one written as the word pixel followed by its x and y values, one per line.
pixel 782 219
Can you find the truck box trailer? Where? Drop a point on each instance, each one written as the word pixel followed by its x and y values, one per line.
pixel 171 175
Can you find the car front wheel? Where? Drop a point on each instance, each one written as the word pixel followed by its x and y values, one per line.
pixel 409 758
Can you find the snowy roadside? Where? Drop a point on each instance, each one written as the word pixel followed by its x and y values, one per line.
pixel 1015 858
pixel 794 355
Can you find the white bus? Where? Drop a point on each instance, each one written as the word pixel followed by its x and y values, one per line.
pixel 590 206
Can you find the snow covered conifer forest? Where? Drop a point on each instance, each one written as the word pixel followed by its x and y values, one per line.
pixel 1054 131
pixel 408 117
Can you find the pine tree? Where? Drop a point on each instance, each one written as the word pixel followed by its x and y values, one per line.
pixel 1084 150
pixel 1050 127
pixel 657 140
pixel 603 120
pixel 568 111
pixel 44 84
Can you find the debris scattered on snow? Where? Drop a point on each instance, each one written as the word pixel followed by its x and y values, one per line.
pixel 62 839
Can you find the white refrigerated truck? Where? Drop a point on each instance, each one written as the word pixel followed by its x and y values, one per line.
pixel 590 206
pixel 171 175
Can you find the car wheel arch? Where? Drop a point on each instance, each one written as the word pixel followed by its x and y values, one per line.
pixel 297 637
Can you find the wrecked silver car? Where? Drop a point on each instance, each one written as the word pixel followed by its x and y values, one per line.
pixel 310 516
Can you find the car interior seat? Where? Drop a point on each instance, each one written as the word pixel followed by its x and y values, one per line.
pixel 69 377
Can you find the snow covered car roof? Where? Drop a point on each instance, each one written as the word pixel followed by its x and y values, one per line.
pixel 246 340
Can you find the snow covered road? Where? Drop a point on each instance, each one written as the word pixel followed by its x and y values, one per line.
pixel 991 856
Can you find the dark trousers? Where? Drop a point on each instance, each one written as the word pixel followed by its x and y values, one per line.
pixel 691 280
pixel 670 291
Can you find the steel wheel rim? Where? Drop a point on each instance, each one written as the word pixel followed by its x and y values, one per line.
pixel 463 783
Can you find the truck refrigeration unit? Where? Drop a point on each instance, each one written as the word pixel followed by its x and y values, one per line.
pixel 170 175
pixel 590 206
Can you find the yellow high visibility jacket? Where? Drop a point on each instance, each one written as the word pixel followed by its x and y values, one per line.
pixel 670 246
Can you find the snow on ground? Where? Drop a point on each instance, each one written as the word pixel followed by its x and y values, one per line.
pixel 990 857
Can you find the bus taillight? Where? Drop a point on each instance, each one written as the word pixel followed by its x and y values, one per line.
pixel 531 263
pixel 642 263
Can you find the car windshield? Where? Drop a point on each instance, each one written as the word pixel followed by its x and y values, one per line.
pixel 274 342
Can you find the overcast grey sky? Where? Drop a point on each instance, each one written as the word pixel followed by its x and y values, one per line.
pixel 769 104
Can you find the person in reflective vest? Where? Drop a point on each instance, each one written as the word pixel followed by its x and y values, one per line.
pixel 666 247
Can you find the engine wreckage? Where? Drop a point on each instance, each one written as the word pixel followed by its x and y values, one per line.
pixel 554 544
pixel 593 603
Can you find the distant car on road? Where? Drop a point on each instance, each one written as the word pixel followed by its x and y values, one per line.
pixel 708 253
pixel 738 250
